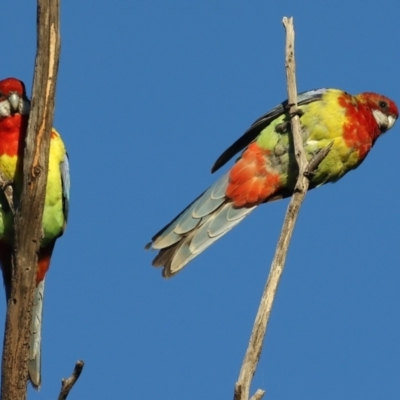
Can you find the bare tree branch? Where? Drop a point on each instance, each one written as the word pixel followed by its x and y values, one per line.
pixel 67 384
pixel 250 361
pixel 258 395
pixel 29 209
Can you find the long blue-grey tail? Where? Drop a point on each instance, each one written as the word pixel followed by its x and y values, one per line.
pixel 203 222
pixel 35 340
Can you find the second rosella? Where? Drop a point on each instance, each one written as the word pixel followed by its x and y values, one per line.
pixel 267 170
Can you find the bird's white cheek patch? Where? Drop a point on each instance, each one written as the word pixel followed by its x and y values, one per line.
pixel 4 108
pixel 381 119
pixel 24 107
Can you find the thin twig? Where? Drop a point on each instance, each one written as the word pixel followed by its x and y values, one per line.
pixel 314 163
pixel 253 352
pixel 67 384
pixel 258 395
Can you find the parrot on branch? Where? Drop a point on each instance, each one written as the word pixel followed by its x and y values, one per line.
pixel 267 169
pixel 14 115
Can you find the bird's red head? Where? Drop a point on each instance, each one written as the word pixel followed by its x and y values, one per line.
pixel 13 98
pixel 14 85
pixel 385 111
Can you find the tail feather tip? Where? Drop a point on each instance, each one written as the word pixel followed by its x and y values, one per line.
pixel 34 373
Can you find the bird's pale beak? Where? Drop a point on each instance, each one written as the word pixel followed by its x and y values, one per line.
pixel 391 121
pixel 13 99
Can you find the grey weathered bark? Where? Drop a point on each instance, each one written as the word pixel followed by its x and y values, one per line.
pixel 29 209
pixel 253 353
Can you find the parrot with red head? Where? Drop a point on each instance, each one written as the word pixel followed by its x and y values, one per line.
pixel 267 169
pixel 14 115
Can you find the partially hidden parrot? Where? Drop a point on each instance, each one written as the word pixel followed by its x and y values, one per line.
pixel 267 170
pixel 14 114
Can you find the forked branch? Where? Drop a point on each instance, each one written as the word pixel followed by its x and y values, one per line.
pixel 67 384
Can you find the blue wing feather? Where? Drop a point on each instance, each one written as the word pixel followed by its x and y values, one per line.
pixel 66 184
pixel 261 123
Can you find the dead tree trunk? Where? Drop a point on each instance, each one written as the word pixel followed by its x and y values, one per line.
pixel 29 208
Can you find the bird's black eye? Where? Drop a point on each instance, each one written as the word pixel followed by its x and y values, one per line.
pixel 383 104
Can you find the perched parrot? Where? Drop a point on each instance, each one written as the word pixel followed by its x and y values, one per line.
pixel 14 114
pixel 267 170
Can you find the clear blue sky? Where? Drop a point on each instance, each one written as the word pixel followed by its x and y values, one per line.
pixel 149 94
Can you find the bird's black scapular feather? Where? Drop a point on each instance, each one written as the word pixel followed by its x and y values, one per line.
pixel 261 123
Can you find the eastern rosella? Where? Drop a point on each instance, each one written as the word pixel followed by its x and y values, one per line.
pixel 14 114
pixel 267 170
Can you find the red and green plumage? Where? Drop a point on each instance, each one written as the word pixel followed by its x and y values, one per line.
pixel 267 170
pixel 14 114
